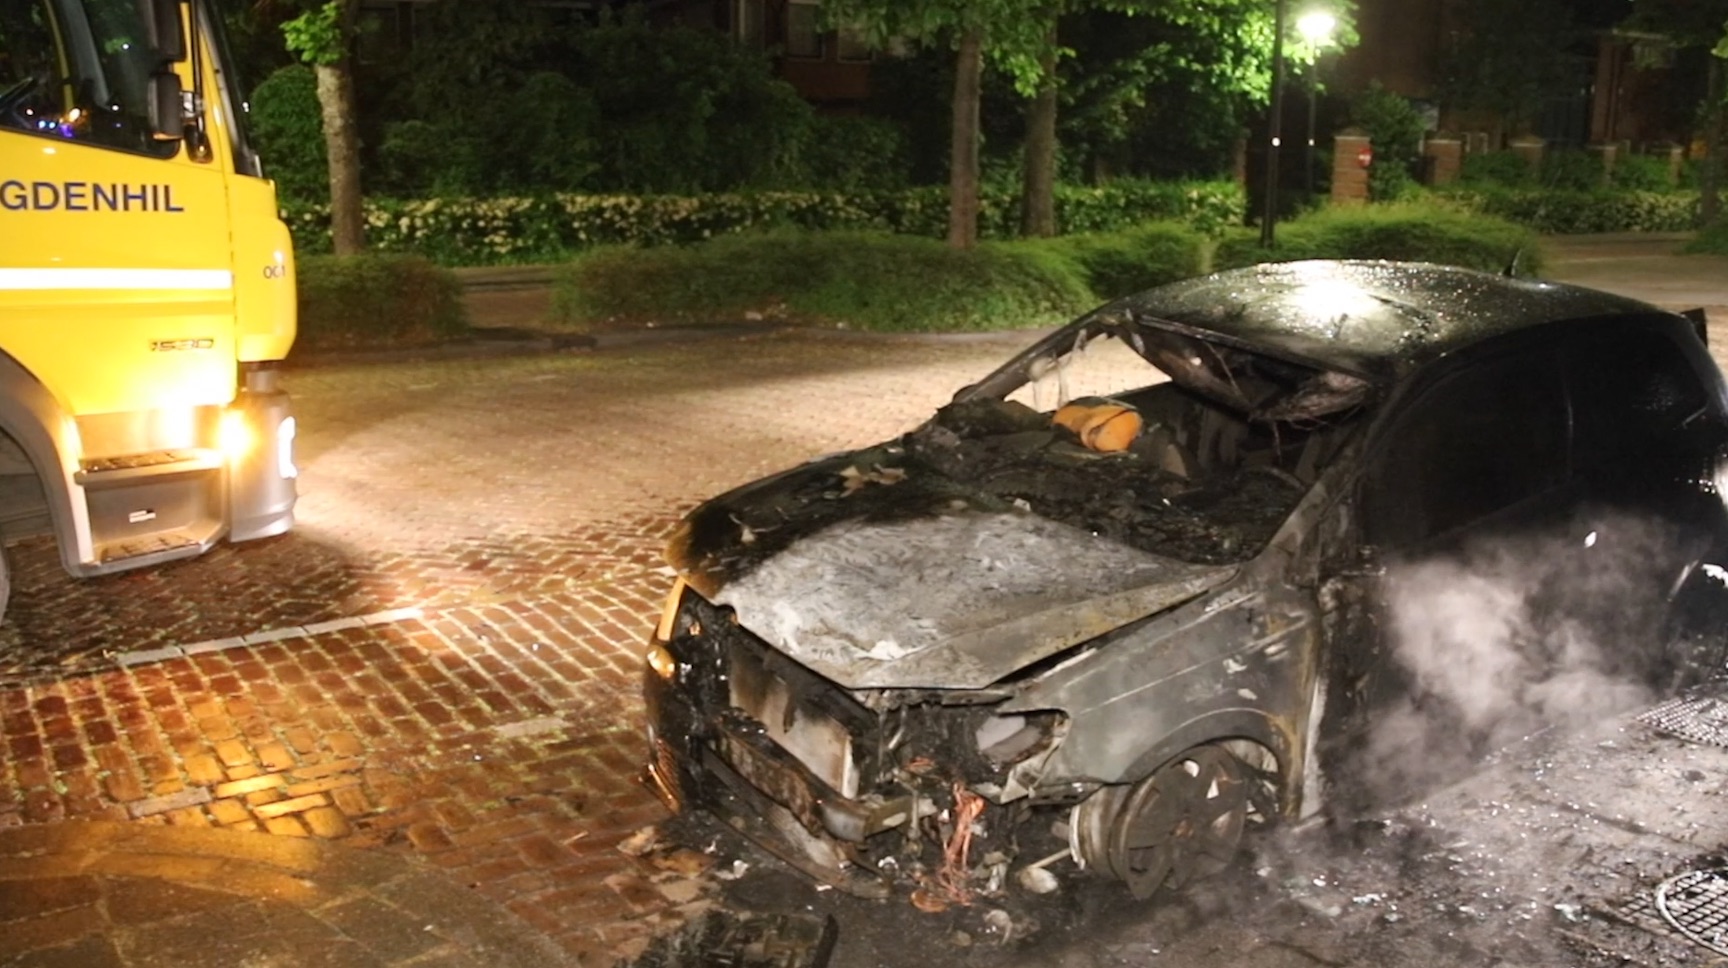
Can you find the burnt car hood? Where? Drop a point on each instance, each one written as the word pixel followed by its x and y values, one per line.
pixel 876 578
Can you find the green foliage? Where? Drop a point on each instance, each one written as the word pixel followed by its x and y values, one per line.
pixel 1503 168
pixel 1395 129
pixel 1426 232
pixel 1712 240
pixel 1572 212
pixel 1641 173
pixel 1572 171
pixel 854 279
pixel 681 109
pixel 289 132
pixel 541 136
pixel 548 228
pixel 1507 59
pixel 318 36
pixel 363 301
pixel 1116 264
pixel 850 153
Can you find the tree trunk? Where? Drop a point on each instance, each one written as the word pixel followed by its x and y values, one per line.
pixel 1710 172
pixel 342 145
pixel 963 153
pixel 1038 191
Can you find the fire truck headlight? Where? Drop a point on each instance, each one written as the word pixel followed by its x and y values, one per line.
pixel 235 436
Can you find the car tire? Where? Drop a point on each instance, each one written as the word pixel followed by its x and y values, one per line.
pixel 1183 822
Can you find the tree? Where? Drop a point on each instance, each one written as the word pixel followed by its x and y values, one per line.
pixel 323 37
pixel 1699 24
pixel 1012 33
pixel 1508 59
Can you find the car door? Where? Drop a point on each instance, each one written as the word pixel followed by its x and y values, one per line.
pixel 1477 449
pixel 1648 435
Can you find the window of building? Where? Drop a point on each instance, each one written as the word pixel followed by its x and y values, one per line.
pixel 850 45
pixel 747 23
pixel 803 29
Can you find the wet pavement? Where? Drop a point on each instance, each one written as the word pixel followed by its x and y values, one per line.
pixel 428 691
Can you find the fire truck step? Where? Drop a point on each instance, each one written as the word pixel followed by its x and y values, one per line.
pixel 130 468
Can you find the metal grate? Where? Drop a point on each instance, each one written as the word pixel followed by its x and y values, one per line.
pixel 1702 720
pixel 1696 904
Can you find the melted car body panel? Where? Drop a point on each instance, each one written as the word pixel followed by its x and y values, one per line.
pixel 956 601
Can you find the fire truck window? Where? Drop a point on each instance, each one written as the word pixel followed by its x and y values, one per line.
pixel 77 70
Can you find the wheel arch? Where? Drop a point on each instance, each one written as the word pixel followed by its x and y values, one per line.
pixel 35 421
pixel 1224 727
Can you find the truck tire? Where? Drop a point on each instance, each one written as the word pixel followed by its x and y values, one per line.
pixel 5 583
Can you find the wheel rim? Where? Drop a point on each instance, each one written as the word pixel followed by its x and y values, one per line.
pixel 1183 822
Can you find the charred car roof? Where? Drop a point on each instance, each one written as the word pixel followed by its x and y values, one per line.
pixel 1376 320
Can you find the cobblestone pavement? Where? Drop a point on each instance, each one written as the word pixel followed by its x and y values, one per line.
pixel 441 659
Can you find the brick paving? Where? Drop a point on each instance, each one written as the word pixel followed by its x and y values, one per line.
pixel 441 660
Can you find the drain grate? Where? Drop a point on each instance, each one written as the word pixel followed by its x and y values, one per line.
pixel 1696 904
pixel 1702 720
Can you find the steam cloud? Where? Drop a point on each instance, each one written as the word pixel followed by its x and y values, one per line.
pixel 1511 636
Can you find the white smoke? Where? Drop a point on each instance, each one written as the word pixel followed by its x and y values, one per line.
pixel 1506 638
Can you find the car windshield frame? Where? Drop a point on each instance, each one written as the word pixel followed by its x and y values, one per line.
pixel 1201 361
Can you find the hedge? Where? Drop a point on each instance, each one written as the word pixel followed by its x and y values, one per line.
pixel 1416 231
pixel 550 228
pixel 1712 240
pixel 1560 212
pixel 370 301
pixel 867 280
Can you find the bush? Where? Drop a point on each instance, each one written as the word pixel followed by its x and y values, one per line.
pixel 501 230
pixel 1712 240
pixel 1425 232
pixel 1575 171
pixel 851 153
pixel 684 109
pixel 357 302
pixel 1499 168
pixel 1573 213
pixel 1122 263
pixel 289 131
pixel 867 280
pixel 538 133
pixel 1641 173
pixel 1395 128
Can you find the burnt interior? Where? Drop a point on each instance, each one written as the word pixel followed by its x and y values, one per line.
pixel 1201 483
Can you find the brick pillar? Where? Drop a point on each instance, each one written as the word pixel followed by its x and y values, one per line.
pixel 1349 175
pixel 1445 159
pixel 1529 147
pixel 1607 153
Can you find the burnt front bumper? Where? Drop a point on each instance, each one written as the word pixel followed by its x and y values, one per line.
pixel 707 754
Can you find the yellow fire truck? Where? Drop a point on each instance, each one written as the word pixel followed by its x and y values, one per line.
pixel 146 290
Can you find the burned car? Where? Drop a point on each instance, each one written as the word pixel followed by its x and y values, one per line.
pixel 1146 605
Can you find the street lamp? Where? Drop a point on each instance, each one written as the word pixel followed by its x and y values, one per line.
pixel 1316 27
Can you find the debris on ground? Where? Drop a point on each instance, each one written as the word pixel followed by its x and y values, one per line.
pixel 735 939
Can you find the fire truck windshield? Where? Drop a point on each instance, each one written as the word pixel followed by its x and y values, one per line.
pixel 78 70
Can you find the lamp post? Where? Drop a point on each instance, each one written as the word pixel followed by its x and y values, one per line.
pixel 1270 212
pixel 1315 27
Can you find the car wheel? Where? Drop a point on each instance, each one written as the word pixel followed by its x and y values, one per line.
pixel 1183 822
